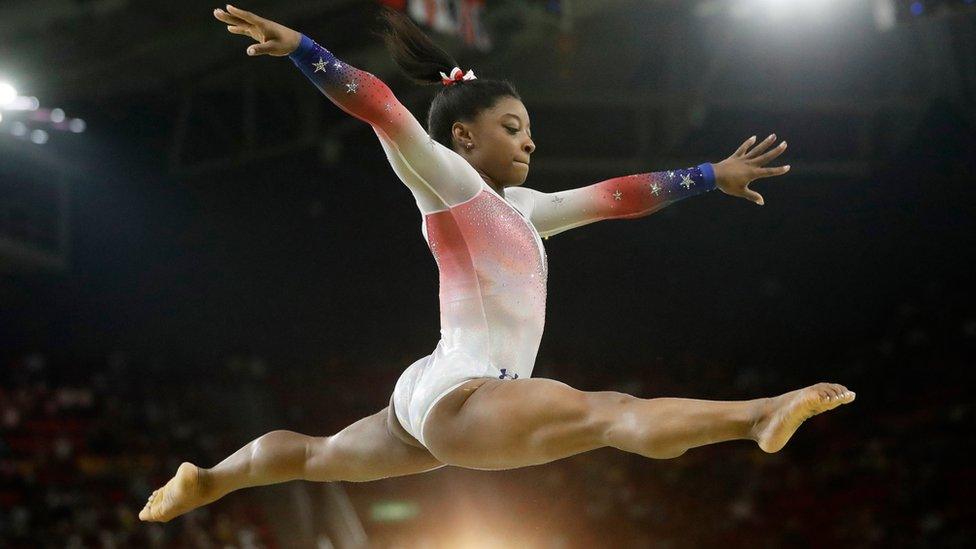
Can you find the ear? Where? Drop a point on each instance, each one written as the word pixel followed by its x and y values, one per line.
pixel 460 133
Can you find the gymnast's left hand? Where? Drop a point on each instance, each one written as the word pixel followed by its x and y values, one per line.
pixel 734 174
pixel 272 38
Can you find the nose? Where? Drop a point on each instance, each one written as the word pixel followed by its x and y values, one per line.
pixel 529 146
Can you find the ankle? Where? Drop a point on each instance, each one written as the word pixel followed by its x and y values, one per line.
pixel 205 482
pixel 759 410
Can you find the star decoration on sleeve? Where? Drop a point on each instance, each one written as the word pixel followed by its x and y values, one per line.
pixel 387 107
pixel 337 65
pixel 670 174
pixel 320 66
pixel 617 195
pixel 351 87
pixel 686 181
pixel 557 200
pixel 655 188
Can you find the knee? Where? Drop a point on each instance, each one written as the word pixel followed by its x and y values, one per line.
pixel 608 411
pixel 319 459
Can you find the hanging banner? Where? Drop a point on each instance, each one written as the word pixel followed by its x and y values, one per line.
pixel 461 18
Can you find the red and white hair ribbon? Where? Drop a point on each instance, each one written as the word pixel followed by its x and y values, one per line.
pixel 457 76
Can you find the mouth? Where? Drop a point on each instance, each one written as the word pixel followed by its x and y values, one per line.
pixel 526 164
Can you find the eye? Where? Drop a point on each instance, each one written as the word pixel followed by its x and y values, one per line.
pixel 512 130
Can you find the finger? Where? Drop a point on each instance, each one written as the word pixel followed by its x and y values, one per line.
pixel 263 48
pixel 245 15
pixel 772 172
pixel 770 155
pixel 228 18
pixel 762 146
pixel 239 30
pixel 758 149
pixel 744 146
pixel 754 197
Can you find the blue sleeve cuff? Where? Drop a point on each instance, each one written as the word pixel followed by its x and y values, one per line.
pixel 708 173
pixel 304 47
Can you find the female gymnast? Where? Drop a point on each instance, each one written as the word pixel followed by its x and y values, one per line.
pixel 472 402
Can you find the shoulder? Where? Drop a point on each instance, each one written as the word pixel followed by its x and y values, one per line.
pixel 523 198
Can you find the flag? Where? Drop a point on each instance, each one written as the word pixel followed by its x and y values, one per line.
pixel 461 18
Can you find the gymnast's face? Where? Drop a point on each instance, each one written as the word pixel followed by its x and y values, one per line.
pixel 498 143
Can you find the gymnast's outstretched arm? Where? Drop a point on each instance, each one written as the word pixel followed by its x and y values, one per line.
pixel 642 194
pixel 437 176
pixel 624 197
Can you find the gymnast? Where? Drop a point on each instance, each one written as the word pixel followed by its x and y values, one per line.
pixel 473 401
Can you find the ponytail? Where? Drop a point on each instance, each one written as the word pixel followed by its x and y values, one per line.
pixel 422 61
pixel 413 51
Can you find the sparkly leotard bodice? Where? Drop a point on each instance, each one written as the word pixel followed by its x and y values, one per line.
pixel 491 261
pixel 493 272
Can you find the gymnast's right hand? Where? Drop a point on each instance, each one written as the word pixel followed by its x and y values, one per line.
pixel 272 38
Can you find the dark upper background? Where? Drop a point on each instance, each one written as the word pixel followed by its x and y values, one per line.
pixel 281 230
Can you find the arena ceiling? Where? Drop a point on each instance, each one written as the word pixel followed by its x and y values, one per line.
pixel 658 67
pixel 83 48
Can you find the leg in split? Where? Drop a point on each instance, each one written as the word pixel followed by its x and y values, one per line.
pixel 366 450
pixel 502 424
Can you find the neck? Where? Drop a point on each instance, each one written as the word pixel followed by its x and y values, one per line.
pixel 497 187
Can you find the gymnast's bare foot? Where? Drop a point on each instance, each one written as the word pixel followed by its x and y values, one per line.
pixel 183 493
pixel 782 415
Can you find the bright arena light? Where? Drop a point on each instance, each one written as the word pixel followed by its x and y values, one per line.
pixel 19 129
pixel 77 125
pixel 885 16
pixel 39 136
pixel 22 103
pixel 57 116
pixel 776 10
pixel 7 94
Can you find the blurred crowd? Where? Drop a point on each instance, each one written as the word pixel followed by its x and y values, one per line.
pixel 83 445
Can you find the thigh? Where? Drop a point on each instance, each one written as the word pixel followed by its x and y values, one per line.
pixel 502 424
pixel 367 450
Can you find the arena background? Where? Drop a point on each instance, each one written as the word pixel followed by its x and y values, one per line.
pixel 197 247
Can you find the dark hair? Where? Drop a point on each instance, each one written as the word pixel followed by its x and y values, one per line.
pixel 423 61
